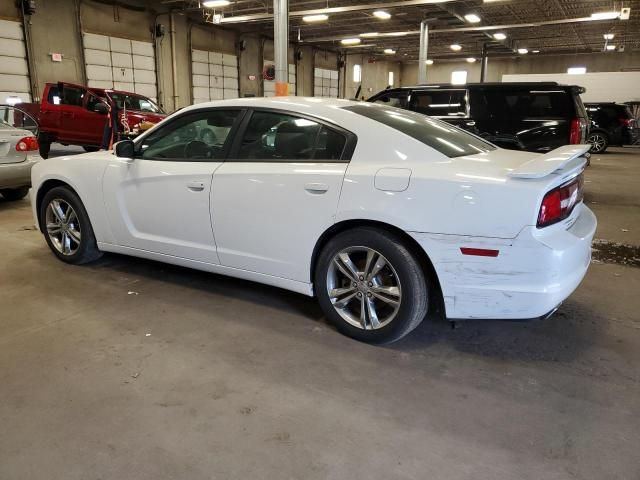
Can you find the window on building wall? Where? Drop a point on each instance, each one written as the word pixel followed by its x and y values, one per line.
pixel 357 73
pixel 391 79
pixel 459 77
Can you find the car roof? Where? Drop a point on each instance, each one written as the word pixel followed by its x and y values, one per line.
pixel 309 105
pixel 488 86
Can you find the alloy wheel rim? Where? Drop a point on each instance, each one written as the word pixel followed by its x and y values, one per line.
pixel 63 227
pixel 364 288
pixel 597 142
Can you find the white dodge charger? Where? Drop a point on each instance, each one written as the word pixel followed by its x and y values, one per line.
pixel 380 213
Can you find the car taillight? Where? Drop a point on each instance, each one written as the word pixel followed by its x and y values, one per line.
pixel 578 131
pixel 559 202
pixel 626 122
pixel 27 144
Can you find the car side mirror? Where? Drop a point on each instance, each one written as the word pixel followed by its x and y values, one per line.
pixel 125 149
pixel 101 108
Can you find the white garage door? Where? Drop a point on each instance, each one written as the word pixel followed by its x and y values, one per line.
pixel 121 64
pixel 14 69
pixel 270 85
pixel 214 76
pixel 325 83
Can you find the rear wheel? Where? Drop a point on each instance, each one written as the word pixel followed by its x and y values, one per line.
pixel 599 142
pixel 67 227
pixel 370 285
pixel 13 194
pixel 44 145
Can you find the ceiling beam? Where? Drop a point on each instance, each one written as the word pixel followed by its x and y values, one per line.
pixel 260 17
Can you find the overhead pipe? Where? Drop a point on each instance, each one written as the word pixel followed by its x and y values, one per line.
pixel 422 54
pixel 281 45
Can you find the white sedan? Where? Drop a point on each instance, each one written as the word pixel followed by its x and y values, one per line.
pixel 380 213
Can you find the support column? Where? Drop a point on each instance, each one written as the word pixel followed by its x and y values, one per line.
pixel 485 63
pixel 281 45
pixel 422 55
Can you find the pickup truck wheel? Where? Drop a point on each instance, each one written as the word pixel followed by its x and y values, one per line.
pixel 67 228
pixel 91 149
pixel 45 145
pixel 13 194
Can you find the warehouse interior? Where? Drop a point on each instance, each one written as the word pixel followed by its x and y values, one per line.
pixel 131 368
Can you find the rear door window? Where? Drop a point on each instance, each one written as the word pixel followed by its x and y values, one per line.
pixel 439 103
pixel 279 137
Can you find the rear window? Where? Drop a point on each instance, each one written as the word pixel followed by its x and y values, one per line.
pixel 519 104
pixel 439 103
pixel 446 139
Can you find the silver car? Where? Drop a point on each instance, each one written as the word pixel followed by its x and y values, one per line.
pixel 18 151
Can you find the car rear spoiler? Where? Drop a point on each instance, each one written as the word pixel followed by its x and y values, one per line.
pixel 543 165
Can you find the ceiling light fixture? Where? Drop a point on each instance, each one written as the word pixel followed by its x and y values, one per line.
pixel 500 36
pixel 577 70
pixel 350 41
pixel 472 18
pixel 382 15
pixel 215 3
pixel 535 51
pixel 610 47
pixel 369 34
pixel 429 62
pixel 471 60
pixel 523 51
pixel 315 18
pixel 609 36
pixel 605 15
pixel 389 51
pixel 455 47
pixel 395 34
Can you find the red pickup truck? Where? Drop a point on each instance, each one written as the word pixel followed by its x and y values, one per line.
pixel 75 115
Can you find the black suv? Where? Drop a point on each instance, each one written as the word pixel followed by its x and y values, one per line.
pixel 537 117
pixel 611 124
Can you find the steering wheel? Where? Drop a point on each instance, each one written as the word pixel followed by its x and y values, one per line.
pixel 197 149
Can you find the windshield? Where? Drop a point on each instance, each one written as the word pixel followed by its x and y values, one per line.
pixel 443 137
pixel 134 102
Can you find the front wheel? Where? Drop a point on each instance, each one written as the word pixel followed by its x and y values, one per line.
pixel 599 142
pixel 67 228
pixel 13 194
pixel 370 286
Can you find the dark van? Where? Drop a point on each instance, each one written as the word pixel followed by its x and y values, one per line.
pixel 537 117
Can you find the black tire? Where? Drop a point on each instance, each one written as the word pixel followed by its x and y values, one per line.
pixel 599 141
pixel 44 145
pixel 13 194
pixel 91 149
pixel 87 250
pixel 415 285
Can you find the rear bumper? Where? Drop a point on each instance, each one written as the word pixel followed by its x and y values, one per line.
pixel 15 175
pixel 532 274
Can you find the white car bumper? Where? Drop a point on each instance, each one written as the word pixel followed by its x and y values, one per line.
pixel 532 274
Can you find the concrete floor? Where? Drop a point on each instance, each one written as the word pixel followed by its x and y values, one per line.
pixel 129 369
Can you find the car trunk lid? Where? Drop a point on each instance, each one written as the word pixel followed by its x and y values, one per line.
pixel 9 137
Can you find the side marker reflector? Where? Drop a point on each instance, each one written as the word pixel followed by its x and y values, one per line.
pixel 479 252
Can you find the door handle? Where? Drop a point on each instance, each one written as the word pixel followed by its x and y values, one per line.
pixel 316 188
pixel 195 186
